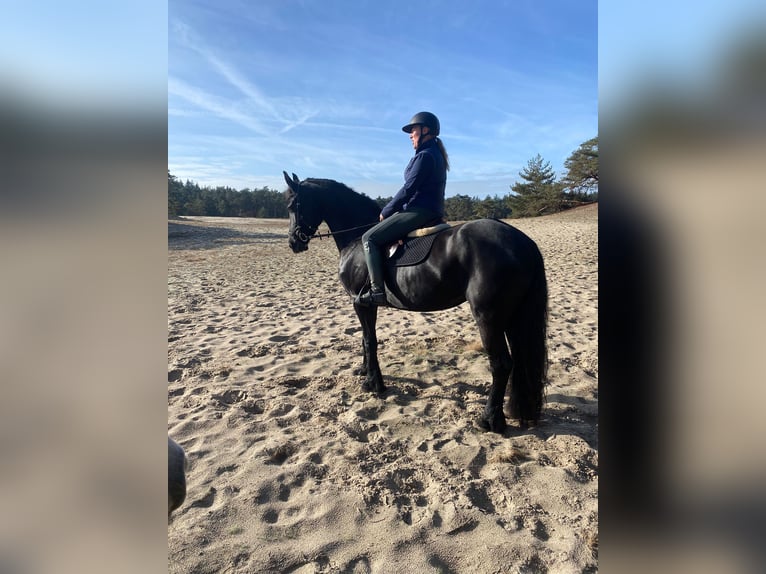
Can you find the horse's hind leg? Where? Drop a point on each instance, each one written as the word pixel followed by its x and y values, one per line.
pixel 370 367
pixel 500 365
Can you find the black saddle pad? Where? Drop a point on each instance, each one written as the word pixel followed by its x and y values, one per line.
pixel 415 250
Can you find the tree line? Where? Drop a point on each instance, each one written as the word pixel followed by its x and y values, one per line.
pixel 223 201
pixel 538 192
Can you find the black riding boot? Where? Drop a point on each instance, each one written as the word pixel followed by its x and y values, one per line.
pixel 376 295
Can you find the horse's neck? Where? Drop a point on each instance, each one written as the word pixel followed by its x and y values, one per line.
pixel 345 230
pixel 346 222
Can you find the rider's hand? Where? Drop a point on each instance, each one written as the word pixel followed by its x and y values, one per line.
pixel 381 217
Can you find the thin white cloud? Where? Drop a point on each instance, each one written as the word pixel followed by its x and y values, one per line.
pixel 215 105
pixel 286 117
pixel 250 90
pixel 294 124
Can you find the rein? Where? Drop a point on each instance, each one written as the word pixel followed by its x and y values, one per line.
pixel 320 235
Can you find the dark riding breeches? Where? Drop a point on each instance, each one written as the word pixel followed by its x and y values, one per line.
pixel 391 229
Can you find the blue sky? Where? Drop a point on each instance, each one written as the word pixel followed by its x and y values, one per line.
pixel 322 87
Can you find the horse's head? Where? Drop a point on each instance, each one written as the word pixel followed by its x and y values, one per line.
pixel 304 214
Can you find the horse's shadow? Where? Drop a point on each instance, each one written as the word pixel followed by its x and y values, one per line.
pixel 575 420
pixel 401 389
pixel 578 417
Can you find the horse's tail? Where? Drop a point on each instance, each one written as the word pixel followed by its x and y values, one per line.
pixel 527 336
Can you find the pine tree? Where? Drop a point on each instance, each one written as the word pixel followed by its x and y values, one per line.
pixel 582 171
pixel 540 194
pixel 458 208
pixel 175 195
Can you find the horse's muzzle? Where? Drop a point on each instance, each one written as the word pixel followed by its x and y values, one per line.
pixel 297 245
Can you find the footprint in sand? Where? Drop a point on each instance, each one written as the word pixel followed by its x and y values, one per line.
pixel 271 516
pixel 279 454
pixel 479 497
pixel 540 531
pixel 228 468
pixel 206 501
pixel 176 392
pixel 230 397
pixel 359 565
pixel 281 410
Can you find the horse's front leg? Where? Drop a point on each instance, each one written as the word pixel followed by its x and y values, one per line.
pixel 363 370
pixel 370 367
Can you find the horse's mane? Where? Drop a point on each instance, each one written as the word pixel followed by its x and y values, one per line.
pixel 345 196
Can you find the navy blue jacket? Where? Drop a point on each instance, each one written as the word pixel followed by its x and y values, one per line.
pixel 424 181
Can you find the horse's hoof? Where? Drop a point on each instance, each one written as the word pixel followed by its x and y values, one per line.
pixel 371 385
pixel 528 424
pixel 497 425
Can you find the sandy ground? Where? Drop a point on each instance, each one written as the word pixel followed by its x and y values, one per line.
pixel 292 468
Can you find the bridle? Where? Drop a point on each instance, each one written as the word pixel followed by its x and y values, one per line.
pixel 298 232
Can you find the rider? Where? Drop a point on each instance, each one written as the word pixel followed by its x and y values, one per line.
pixel 419 202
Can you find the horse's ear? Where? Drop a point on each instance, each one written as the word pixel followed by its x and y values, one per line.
pixel 292 184
pixel 296 180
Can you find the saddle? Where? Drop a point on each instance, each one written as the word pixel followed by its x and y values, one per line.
pixel 414 248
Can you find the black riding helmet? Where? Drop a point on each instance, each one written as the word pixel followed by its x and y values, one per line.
pixel 423 119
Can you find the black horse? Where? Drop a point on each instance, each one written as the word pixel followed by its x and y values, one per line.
pixel 493 266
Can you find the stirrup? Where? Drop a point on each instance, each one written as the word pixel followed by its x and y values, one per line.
pixel 370 297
